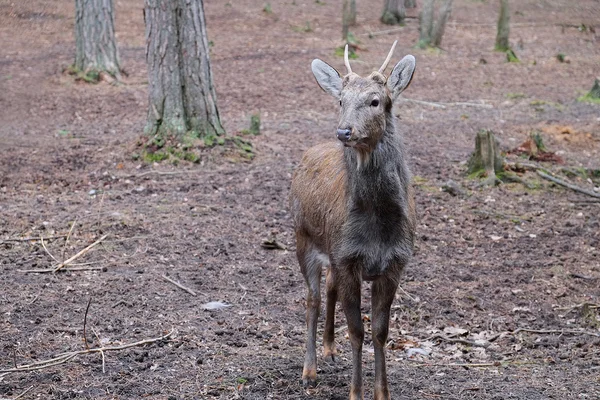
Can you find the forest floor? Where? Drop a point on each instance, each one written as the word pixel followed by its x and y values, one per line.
pixel 500 302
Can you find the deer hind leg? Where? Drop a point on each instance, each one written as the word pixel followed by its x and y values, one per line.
pixel 311 264
pixel 383 292
pixel 350 299
pixel 328 336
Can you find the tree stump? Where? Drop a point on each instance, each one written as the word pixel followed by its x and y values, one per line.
pixel 595 92
pixel 486 159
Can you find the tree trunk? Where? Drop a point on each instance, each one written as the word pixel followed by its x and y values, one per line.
pixel 394 12
pixel 96 47
pixel 410 3
pixel 426 23
pixel 486 159
pixel 440 26
pixel 503 27
pixel 181 93
pixel 352 16
pixel 345 19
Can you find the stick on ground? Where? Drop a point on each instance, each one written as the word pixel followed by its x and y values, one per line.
pixel 567 185
pixel 179 285
pixel 63 358
pixel 76 256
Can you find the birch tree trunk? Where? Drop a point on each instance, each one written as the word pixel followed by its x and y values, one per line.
pixel 502 43
pixel 182 98
pixel 440 26
pixel 394 12
pixel 95 44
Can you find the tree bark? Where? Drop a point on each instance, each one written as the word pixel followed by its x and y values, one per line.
pixel 394 12
pixel 95 44
pixel 182 98
pixel 440 26
pixel 502 43
pixel 426 23
pixel 345 19
pixel 486 157
pixel 352 16
pixel 410 3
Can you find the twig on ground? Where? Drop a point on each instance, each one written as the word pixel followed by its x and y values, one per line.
pixel 549 331
pixel 475 365
pixel 47 251
pixel 67 240
pixel 47 270
pixel 76 256
pixel 406 293
pixel 24 393
pixel 31 239
pixel 179 285
pixel 590 306
pixel 85 323
pixel 567 185
pixel 63 358
pixel 118 303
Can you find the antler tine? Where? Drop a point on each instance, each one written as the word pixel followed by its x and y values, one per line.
pixel 389 57
pixel 346 61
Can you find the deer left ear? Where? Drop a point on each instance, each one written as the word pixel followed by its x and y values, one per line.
pixel 401 76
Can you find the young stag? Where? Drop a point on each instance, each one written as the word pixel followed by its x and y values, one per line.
pixel 354 214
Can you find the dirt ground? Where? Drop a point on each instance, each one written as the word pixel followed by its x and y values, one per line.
pixel 500 301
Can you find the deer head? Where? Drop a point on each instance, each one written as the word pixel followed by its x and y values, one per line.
pixel 366 103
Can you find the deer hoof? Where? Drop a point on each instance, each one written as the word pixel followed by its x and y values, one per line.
pixel 309 382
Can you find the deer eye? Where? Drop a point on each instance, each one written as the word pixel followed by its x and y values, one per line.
pixel 374 103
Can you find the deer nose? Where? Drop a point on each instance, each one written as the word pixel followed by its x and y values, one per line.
pixel 344 134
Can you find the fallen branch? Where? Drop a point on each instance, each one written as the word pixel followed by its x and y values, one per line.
pixel 76 256
pixel 32 239
pixel 47 270
pixel 24 393
pixel 567 185
pixel 63 358
pixel 549 331
pixel 179 285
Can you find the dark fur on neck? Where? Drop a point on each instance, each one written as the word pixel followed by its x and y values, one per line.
pixel 377 233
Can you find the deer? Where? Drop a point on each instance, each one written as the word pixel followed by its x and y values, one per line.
pixel 354 215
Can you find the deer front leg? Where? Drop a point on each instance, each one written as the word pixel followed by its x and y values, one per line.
pixel 383 291
pixel 328 336
pixel 350 297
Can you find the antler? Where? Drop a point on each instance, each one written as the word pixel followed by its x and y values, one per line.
pixel 387 60
pixel 346 61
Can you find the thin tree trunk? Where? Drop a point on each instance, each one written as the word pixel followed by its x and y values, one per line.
pixel 440 26
pixel 181 93
pixel 502 43
pixel 410 3
pixel 352 16
pixel 345 19
pixel 95 43
pixel 394 12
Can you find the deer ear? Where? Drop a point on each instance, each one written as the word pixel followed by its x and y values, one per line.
pixel 327 77
pixel 401 76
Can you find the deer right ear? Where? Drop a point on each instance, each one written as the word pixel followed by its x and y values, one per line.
pixel 327 77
